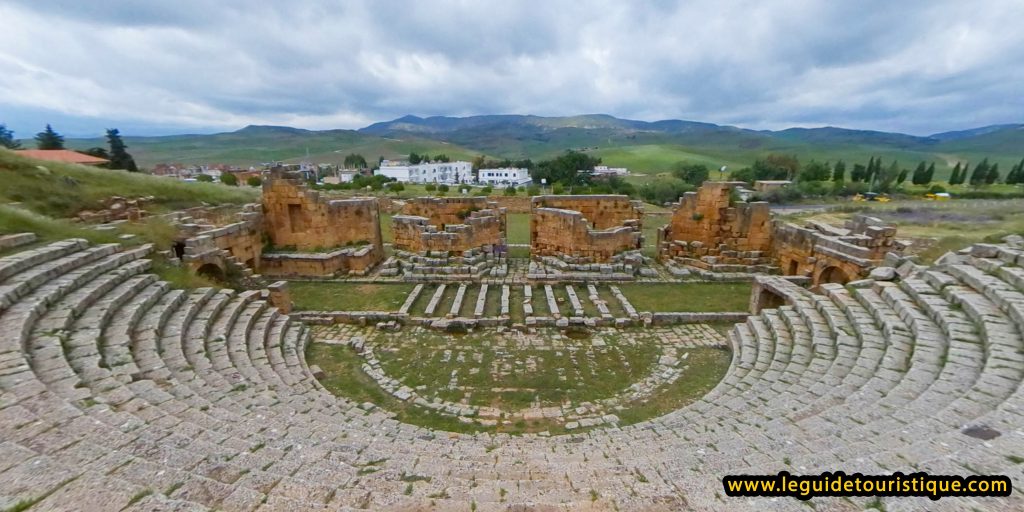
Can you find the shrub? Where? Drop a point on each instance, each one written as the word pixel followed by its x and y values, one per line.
pixel 254 181
pixel 936 189
pixel 558 189
pixel 229 179
pixel 533 190
pixel 443 188
pixel 487 190
pixel 430 187
pixel 510 191
pixel 205 178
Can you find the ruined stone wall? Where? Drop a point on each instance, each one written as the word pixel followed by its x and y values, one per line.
pixel 239 242
pixel 295 216
pixel 829 254
pixel 452 225
pixel 708 218
pixel 602 211
pixel 560 232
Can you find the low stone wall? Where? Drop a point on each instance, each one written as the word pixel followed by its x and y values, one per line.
pixel 350 260
pixel 694 318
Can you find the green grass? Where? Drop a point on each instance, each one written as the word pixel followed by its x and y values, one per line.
pixel 346 378
pixel 420 363
pixel 651 224
pixel 518 227
pixel 688 297
pixel 652 158
pixel 705 367
pixel 590 373
pixel 62 190
pixel 340 296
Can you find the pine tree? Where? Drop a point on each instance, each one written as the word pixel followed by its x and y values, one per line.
pixel 49 139
pixel 928 174
pixel 7 138
pixel 119 157
pixel 954 178
pixel 839 172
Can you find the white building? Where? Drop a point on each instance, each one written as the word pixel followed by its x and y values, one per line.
pixel 450 173
pixel 604 170
pixel 504 176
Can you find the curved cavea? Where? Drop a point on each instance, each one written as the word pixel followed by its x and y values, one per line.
pixel 118 392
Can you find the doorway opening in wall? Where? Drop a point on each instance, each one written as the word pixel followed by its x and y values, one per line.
pixel 211 271
pixel 833 275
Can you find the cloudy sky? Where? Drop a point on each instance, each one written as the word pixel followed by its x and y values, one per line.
pixel 197 66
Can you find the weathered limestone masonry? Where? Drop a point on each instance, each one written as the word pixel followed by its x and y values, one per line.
pixel 438 237
pixel 194 397
pixel 594 234
pixel 712 234
pixel 828 254
pixel 204 247
pixel 710 231
pixel 344 233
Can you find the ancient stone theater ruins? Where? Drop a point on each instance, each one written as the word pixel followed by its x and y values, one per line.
pixel 496 382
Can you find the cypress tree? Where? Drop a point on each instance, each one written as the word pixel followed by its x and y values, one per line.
pixel 980 173
pixel 929 174
pixel 993 174
pixel 839 172
pixel 955 176
pixel 119 157
pixel 918 174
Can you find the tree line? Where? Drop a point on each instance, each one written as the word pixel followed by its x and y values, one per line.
pixel 117 154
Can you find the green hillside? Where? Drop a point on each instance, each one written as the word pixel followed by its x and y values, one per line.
pixel 257 144
pixel 61 190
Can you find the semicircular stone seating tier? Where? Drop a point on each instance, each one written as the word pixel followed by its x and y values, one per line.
pixel 118 392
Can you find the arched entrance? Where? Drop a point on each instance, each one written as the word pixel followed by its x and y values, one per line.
pixel 211 271
pixel 833 274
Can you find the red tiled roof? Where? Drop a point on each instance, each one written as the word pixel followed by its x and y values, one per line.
pixel 62 155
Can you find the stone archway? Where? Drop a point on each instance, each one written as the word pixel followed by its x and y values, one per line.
pixel 832 274
pixel 211 271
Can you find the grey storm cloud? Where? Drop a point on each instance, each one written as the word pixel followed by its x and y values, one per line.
pixel 163 67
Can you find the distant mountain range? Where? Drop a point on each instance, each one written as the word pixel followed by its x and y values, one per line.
pixel 641 145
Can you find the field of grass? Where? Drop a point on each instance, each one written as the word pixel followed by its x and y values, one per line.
pixel 688 297
pixel 62 190
pixel 339 296
pixel 653 158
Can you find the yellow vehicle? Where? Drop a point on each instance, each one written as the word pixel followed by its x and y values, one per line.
pixel 938 196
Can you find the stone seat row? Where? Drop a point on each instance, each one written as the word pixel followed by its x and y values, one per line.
pixel 118 392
